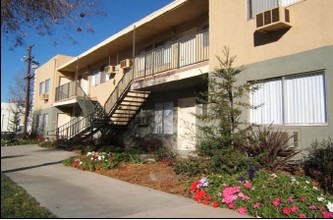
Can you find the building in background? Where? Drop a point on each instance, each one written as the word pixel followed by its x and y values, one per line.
pixel 12 117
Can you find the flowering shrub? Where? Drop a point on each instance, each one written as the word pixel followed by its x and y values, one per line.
pixel 266 195
pixel 95 161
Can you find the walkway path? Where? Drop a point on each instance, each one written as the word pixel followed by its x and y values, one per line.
pixel 71 193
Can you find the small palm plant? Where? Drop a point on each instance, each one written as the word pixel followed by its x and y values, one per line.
pixel 272 148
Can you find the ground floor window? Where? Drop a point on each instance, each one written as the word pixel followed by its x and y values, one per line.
pixel 41 121
pixel 296 99
pixel 163 118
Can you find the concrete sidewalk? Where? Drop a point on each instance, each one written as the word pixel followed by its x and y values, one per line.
pixel 71 193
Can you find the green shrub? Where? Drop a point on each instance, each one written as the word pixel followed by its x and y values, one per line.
pixel 319 164
pixel 230 161
pixel 68 161
pixel 271 148
pixel 191 167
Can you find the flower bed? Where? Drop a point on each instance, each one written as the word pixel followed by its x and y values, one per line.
pixel 264 195
pixel 94 161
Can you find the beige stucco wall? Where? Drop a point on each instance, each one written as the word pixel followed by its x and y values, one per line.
pixel 44 72
pixel 311 22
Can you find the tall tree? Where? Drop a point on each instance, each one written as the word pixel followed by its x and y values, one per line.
pixel 222 123
pixel 18 17
pixel 15 120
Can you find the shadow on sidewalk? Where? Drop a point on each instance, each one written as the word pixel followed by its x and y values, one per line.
pixel 31 167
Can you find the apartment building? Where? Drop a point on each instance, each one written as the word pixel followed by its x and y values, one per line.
pixel 143 81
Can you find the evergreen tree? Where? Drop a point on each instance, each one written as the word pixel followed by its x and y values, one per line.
pixel 222 125
pixel 14 121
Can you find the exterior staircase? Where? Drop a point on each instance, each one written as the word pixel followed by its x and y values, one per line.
pixel 121 107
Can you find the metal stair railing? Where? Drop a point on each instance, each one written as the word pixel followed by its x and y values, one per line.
pixel 118 92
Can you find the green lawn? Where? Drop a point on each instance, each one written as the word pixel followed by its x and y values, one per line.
pixel 17 203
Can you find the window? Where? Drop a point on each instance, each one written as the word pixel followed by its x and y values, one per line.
pixel 163 118
pixel 258 6
pixel 44 87
pixel 45 120
pixel 41 88
pixel 99 76
pixel 298 99
pixel 47 86
pixel 95 79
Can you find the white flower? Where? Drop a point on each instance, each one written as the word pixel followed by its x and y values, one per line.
pixel 99 158
pixel 320 199
pixel 80 163
pixel 273 175
pixel 307 182
pixel 330 206
pixel 315 188
pixel 293 179
pixel 89 153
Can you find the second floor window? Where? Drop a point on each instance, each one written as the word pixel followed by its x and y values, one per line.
pixel 98 76
pixel 44 87
pixel 258 6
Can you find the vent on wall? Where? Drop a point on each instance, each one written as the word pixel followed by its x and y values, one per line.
pixel 44 96
pixel 273 20
pixel 125 64
pixel 110 70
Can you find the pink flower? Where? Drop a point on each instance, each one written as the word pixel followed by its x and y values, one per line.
pixel 256 205
pixel 215 204
pixel 242 211
pixel 229 194
pixel 244 197
pixel 231 205
pixel 290 199
pixel 286 211
pixel 301 215
pixel 302 198
pixel 294 209
pixel 276 202
pixel 327 214
pixel 247 185
pixel 312 207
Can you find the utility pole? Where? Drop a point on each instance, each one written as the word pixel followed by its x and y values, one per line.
pixel 27 98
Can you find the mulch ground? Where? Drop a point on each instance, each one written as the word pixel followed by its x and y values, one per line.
pixel 153 175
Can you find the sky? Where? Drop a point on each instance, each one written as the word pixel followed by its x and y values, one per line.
pixel 119 15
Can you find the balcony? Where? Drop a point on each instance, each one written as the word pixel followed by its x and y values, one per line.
pixel 184 52
pixel 68 91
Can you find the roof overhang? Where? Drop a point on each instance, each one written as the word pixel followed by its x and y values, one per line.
pixel 164 19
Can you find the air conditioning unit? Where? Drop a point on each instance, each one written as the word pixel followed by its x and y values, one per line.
pixel 110 70
pixel 44 96
pixel 125 64
pixel 273 20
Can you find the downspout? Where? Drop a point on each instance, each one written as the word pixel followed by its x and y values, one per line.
pixel 75 84
pixel 133 55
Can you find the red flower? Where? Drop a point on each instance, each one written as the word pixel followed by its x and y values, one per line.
pixel 194 186
pixel 276 202
pixel 301 215
pixel 209 197
pixel 205 202
pixel 247 185
pixel 231 205
pixel 294 209
pixel 302 198
pixel 215 204
pixel 199 195
pixel 327 214
pixel 110 158
pixel 286 211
